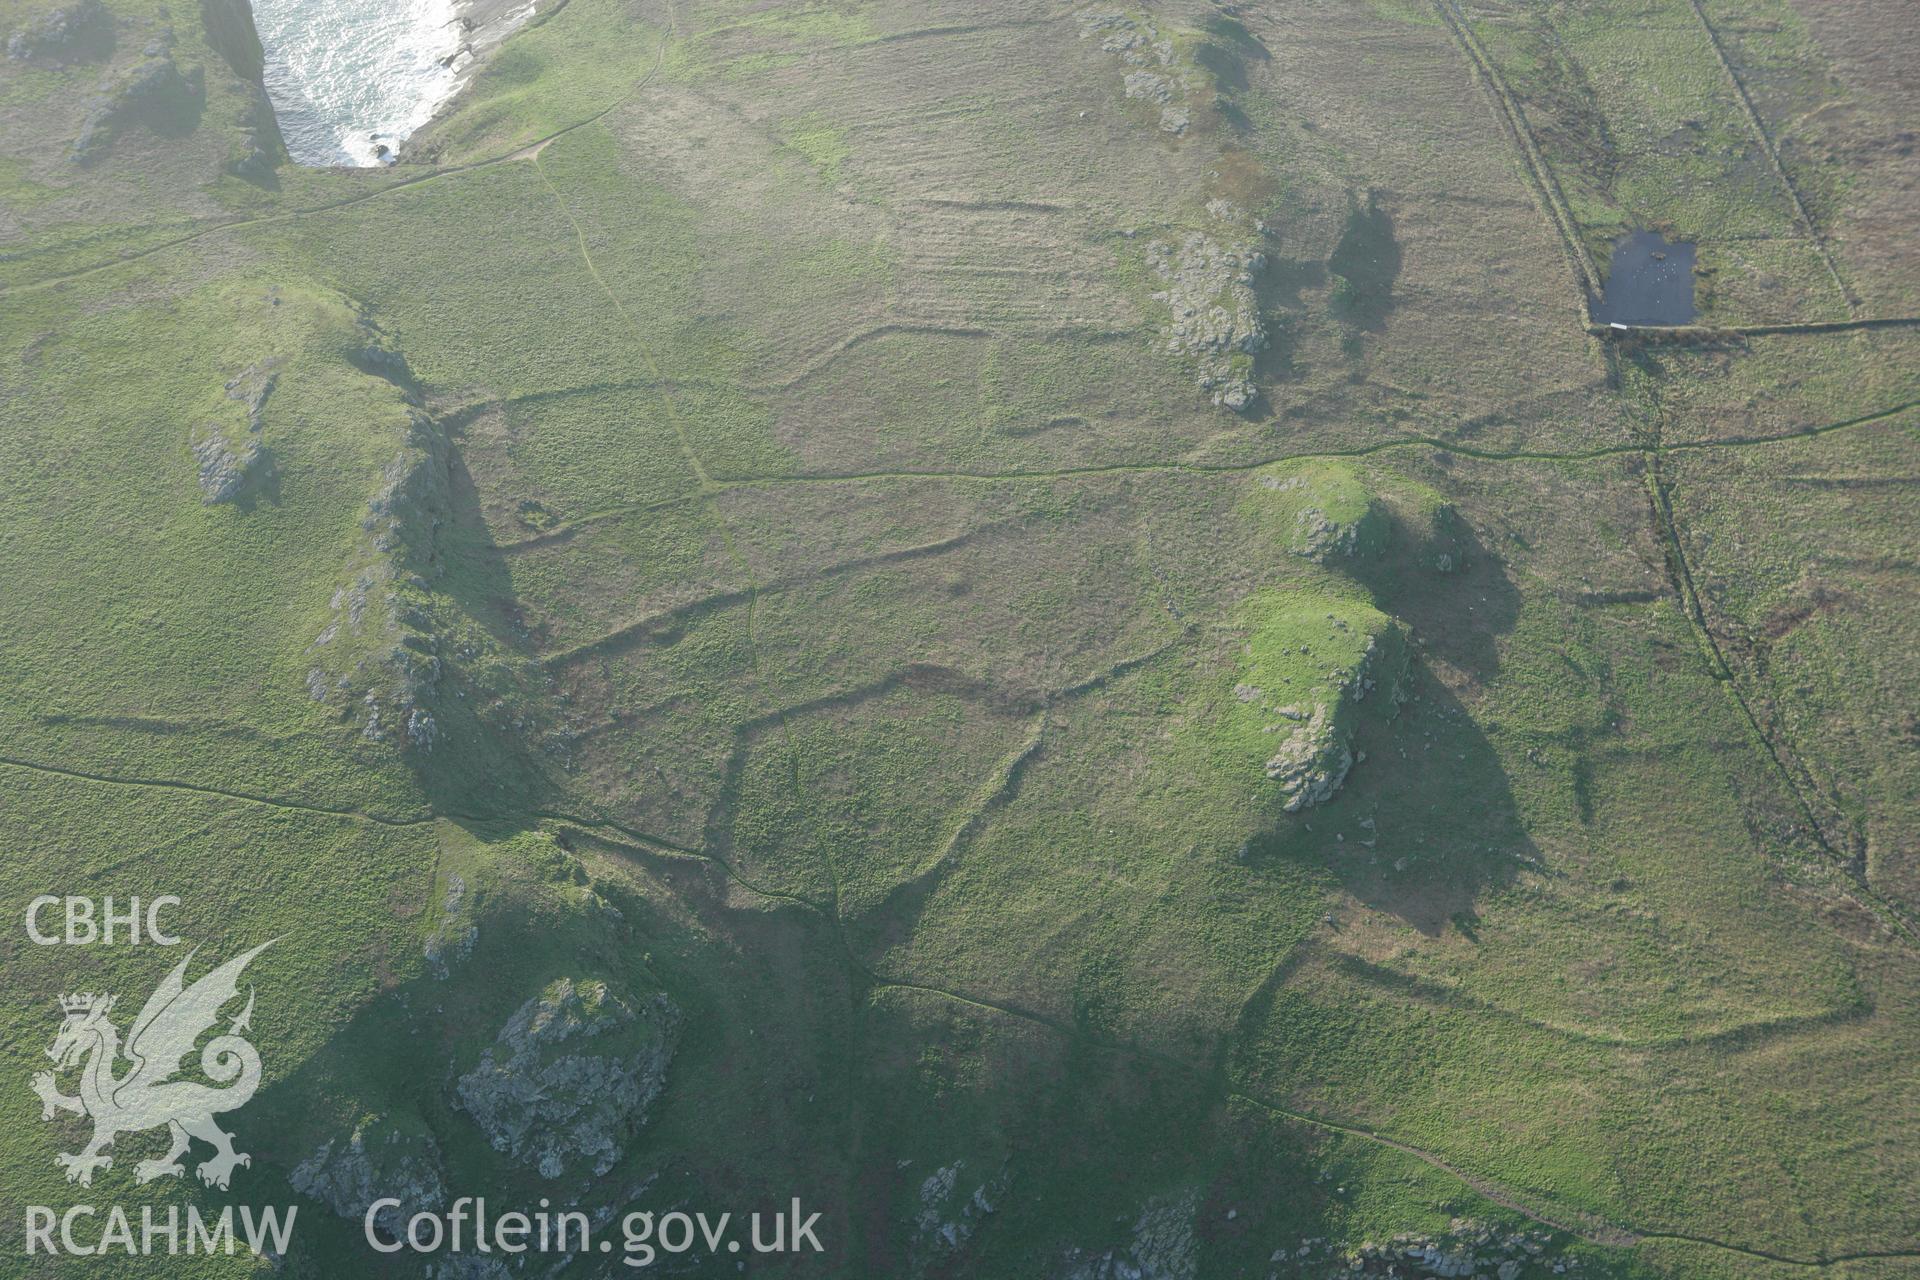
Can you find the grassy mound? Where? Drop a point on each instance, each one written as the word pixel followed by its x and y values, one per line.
pixel 1310 669
pixel 1323 511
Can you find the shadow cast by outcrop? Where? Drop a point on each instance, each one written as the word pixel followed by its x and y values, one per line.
pixel 1440 578
pixel 1364 266
pixel 1426 821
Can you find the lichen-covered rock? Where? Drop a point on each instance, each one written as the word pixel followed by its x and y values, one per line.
pixel 1155 73
pixel 571 1075
pixel 1213 314
pixel 379 1160
pixel 1312 762
pixel 225 467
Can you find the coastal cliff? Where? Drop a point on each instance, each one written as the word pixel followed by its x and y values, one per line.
pixel 232 35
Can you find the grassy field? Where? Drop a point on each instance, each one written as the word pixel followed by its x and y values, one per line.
pixel 734 516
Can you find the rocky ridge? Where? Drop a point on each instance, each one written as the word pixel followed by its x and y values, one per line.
pixel 1207 275
pixel 402 655
pixel 383 638
pixel 1213 314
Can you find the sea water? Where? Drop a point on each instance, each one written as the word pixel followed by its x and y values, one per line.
pixel 350 77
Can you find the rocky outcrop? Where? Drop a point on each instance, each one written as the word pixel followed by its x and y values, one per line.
pixel 1340 514
pixel 402 516
pixel 1214 317
pixel 402 657
pixel 1318 536
pixel 454 939
pixel 1207 275
pixel 379 1160
pixel 1309 675
pixel 383 619
pixel 73 32
pixel 571 1076
pixel 1317 751
pixel 1312 762
pixel 1163 1247
pixel 226 467
pixel 1334 518
pixel 160 92
pixel 952 1207
pixel 252 387
pixel 150 92
pixel 1155 72
pixel 1467 1250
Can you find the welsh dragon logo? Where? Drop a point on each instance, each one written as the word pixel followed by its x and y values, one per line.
pixel 147 1095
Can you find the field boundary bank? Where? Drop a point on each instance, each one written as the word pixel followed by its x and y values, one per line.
pixel 1513 120
pixel 1773 159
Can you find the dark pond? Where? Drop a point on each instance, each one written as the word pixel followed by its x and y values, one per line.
pixel 1651 282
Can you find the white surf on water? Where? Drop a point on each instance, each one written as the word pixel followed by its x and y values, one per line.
pixel 348 76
